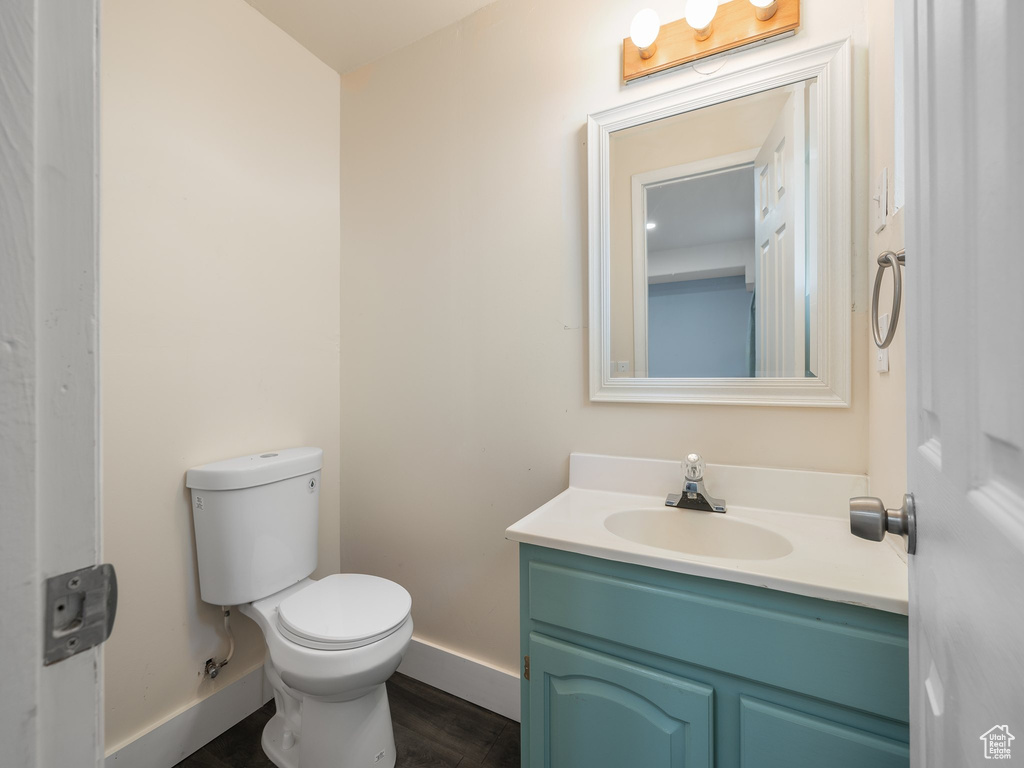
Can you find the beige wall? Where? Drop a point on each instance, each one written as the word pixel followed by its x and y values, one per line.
pixel 464 304
pixel 887 392
pixel 220 273
pixel 716 131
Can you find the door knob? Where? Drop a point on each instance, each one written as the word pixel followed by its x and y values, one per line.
pixel 869 519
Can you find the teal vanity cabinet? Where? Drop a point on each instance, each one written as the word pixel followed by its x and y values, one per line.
pixel 635 667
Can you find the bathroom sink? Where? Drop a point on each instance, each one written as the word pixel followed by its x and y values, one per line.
pixel 704 534
pixel 785 529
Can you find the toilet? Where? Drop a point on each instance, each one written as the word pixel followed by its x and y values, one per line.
pixel 331 642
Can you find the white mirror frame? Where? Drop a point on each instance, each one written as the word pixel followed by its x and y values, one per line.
pixel 830 65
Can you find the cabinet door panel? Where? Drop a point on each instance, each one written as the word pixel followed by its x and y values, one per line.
pixel 772 736
pixel 589 710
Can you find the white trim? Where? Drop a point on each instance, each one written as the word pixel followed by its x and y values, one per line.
pixel 899 170
pixel 49 372
pixel 71 714
pixel 639 206
pixel 475 681
pixel 640 183
pixel 21 628
pixel 189 729
pixel 831 66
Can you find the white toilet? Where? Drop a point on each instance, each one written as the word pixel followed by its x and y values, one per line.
pixel 333 642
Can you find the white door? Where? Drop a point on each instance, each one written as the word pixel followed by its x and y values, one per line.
pixel 779 235
pixel 964 68
pixel 50 715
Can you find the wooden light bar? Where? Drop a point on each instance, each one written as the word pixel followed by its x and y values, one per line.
pixel 735 26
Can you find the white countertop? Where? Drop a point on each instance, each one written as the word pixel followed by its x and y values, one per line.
pixel 809 509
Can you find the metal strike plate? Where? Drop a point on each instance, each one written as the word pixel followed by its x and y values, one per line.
pixel 79 611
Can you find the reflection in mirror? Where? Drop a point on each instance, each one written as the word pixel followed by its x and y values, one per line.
pixel 712 273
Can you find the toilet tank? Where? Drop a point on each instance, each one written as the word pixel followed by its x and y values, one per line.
pixel 256 523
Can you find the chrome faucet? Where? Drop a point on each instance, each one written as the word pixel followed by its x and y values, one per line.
pixel 694 495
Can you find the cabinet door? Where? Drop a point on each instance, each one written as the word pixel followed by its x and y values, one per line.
pixel 591 710
pixel 772 736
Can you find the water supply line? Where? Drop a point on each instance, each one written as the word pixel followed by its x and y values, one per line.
pixel 213 666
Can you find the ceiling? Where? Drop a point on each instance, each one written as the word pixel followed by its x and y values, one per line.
pixel 707 209
pixel 345 34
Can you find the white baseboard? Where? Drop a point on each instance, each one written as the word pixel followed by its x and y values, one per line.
pixel 183 733
pixel 476 681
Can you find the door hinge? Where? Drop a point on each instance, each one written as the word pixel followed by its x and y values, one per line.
pixel 79 611
pixel 526 667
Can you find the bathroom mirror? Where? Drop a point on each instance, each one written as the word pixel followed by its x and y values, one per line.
pixel 720 239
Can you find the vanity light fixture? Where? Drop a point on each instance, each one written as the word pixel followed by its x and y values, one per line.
pixel 764 9
pixel 708 29
pixel 699 15
pixel 643 31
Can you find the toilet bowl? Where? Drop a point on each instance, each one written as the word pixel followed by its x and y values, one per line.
pixel 331 645
pixel 333 642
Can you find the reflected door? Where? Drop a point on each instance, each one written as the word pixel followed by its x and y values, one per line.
pixel 780 237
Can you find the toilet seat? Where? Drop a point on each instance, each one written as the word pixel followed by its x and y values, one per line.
pixel 343 611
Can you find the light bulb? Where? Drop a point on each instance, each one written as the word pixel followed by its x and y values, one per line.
pixel 764 9
pixel 651 225
pixel 643 31
pixel 699 14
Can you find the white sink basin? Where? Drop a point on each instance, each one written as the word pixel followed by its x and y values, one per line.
pixel 787 530
pixel 704 534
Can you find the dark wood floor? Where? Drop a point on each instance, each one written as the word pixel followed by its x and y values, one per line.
pixel 433 729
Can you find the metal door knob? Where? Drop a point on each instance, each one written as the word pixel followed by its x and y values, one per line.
pixel 869 519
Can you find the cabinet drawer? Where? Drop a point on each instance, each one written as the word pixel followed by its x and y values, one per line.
pixel 853 666
pixel 772 736
pixel 590 710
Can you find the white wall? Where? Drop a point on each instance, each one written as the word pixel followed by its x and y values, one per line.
pixel 220 312
pixel 699 262
pixel 464 304
pixel 699 328
pixel 887 393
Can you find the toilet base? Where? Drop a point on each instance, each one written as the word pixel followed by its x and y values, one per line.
pixel 334 734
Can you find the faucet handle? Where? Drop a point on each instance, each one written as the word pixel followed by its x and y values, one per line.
pixel 693 467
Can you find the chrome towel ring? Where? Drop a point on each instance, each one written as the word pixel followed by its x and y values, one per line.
pixel 896 260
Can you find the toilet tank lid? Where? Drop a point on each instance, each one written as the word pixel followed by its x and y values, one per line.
pixel 256 469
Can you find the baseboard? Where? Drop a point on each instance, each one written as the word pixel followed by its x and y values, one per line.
pixel 476 681
pixel 171 741
pixel 183 733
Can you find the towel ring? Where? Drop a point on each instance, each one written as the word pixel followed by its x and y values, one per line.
pixel 896 260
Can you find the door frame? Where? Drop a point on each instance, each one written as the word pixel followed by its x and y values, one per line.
pixel 639 182
pixel 49 375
